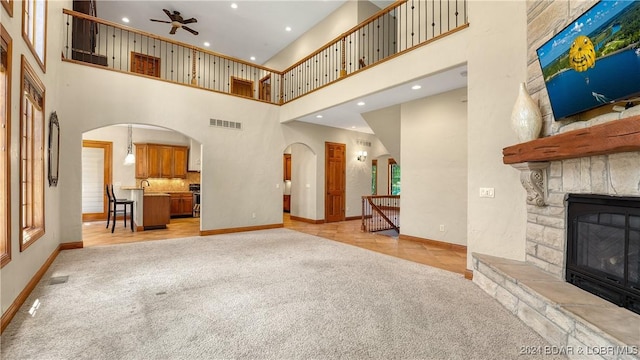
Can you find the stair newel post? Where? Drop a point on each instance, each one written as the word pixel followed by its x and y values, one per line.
pixel 343 65
pixel 194 81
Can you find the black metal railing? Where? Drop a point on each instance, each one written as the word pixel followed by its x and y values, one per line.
pixel 380 212
pixel 398 28
pixel 401 27
pixel 110 45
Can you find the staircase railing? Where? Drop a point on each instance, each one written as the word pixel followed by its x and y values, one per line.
pixel 381 212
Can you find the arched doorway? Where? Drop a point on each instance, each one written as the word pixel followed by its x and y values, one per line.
pixel 178 186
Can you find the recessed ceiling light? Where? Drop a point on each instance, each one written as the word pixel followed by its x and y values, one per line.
pixel 319 116
pixel 206 43
pixel 125 20
pixel 361 103
pixel 288 28
pixel 353 127
pixel 253 58
pixel 416 87
pixel 234 5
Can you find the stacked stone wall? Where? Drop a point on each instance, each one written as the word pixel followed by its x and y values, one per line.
pixel 616 174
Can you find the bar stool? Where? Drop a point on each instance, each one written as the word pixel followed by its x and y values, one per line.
pixel 113 206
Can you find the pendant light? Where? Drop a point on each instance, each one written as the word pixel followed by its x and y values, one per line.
pixel 130 159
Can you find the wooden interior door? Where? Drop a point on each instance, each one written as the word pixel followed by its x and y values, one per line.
pixel 96 173
pixel 265 88
pixel 335 182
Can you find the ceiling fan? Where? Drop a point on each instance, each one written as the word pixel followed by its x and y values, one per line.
pixel 177 22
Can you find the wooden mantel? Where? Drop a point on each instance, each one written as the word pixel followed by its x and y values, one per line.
pixel 612 137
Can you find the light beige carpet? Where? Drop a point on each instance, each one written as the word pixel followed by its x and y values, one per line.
pixel 275 294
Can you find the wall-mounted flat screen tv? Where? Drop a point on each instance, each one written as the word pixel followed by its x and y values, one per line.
pixel 595 60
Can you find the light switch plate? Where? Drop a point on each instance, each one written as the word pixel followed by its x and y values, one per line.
pixel 487 192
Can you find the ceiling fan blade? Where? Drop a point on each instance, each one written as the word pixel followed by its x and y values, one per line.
pixel 162 21
pixel 168 13
pixel 189 21
pixel 173 30
pixel 190 30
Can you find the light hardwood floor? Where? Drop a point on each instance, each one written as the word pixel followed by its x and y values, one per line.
pixel 348 232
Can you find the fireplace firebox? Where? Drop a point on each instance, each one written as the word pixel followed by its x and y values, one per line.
pixel 603 247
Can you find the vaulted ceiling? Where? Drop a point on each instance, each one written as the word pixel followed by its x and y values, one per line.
pixel 258 28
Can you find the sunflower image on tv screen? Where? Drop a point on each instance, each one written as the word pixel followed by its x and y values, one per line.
pixel 582 54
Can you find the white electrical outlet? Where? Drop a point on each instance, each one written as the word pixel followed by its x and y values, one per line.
pixel 277 186
pixel 487 192
pixel 253 215
pixel 441 227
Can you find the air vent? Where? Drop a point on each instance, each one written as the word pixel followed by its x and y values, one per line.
pixel 58 280
pixel 225 124
pixel 363 142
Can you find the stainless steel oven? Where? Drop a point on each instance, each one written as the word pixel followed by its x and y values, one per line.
pixel 195 190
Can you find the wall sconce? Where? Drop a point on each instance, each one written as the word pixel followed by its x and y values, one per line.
pixel 362 156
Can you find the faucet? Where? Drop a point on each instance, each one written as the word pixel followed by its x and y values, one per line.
pixel 142 182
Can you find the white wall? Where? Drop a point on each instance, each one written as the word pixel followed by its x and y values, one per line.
pixel 383 174
pixel 385 123
pixel 434 168
pixel 23 266
pixel 358 173
pixel 497 64
pixel 304 186
pixel 341 20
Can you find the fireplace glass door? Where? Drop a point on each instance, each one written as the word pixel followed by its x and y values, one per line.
pixel 603 247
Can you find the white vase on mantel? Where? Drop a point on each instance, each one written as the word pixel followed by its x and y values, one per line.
pixel 526 119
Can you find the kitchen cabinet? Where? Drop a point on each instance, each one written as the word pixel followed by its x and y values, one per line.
pixel 180 155
pixel 156 209
pixel 142 165
pixel 286 203
pixel 161 161
pixel 181 204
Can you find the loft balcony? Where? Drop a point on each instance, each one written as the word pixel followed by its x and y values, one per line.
pixel 392 32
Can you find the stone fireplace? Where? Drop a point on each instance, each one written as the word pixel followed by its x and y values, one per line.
pixel 575 157
pixel 596 160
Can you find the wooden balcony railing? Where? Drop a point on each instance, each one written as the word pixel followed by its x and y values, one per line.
pixel 401 27
pixel 381 212
pixel 90 40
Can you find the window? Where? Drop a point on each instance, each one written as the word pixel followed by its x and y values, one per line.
pixel 31 157
pixel 34 28
pixel 5 135
pixel 241 87
pixel 145 64
pixel 374 177
pixel 394 178
pixel 8 5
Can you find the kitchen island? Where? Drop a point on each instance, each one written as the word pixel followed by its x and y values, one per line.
pixel 152 209
pixel 157 211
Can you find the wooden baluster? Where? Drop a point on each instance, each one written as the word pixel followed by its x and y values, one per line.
pixel 194 81
pixel 343 65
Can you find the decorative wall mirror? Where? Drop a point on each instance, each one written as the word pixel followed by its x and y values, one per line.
pixel 54 149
